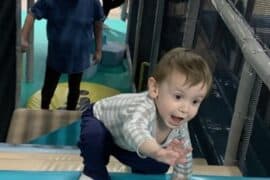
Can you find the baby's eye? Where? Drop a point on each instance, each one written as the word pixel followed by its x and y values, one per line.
pixel 195 102
pixel 178 97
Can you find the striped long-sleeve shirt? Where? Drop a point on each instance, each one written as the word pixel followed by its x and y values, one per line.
pixel 131 119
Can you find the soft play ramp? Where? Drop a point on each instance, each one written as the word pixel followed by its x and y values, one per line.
pixel 30 124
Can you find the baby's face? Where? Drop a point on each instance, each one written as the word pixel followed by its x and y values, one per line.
pixel 178 102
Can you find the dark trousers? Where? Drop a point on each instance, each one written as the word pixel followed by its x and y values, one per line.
pixel 110 4
pixel 96 145
pixel 51 79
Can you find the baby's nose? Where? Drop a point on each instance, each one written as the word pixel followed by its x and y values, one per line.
pixel 183 108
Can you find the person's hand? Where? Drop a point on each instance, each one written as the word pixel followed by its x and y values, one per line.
pixel 97 57
pixel 24 44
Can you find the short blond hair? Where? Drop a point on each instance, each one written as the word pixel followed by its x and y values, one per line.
pixel 185 61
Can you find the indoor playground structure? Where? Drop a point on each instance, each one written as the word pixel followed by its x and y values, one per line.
pixel 231 133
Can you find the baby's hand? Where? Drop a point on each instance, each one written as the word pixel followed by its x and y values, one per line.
pixel 167 156
pixel 174 153
pixel 178 146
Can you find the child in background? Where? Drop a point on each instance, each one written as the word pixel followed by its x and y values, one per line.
pixel 148 131
pixel 70 28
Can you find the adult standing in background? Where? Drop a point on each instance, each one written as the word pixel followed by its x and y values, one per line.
pixel 71 25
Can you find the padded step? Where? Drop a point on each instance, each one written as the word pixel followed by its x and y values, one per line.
pixel 43 158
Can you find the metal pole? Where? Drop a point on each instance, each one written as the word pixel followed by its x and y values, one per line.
pixel 251 48
pixel 30 52
pixel 156 35
pixel 137 36
pixel 130 4
pixel 128 56
pixel 248 126
pixel 240 113
pixel 249 6
pixel 191 21
pixel 267 114
pixel 256 57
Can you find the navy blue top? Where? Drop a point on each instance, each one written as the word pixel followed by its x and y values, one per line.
pixel 69 31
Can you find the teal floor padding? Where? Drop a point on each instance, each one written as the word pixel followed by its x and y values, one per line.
pixel 74 175
pixel 117 77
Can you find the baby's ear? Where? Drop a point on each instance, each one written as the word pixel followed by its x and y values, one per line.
pixel 152 87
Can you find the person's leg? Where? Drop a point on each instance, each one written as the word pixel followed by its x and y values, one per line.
pixel 49 86
pixel 116 3
pixel 74 81
pixel 137 164
pixel 95 141
pixel 111 4
pixel 106 6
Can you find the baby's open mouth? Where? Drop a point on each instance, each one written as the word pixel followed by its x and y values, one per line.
pixel 176 120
